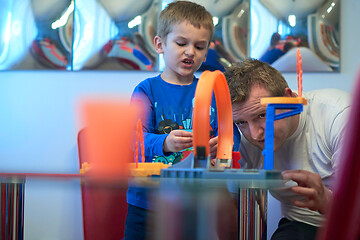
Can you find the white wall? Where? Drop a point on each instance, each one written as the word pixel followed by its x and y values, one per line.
pixel 38 126
pixel 38 133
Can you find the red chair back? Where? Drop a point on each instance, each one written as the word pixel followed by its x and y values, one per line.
pixel 104 206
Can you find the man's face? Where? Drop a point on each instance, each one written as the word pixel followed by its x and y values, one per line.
pixel 250 117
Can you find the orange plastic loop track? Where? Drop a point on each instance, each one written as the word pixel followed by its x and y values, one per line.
pixel 210 82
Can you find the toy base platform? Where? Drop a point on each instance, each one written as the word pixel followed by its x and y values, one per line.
pixel 184 173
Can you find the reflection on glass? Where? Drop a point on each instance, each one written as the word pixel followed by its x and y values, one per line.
pixel 115 35
pixel 118 35
pixel 35 34
pixel 235 28
pixel 311 25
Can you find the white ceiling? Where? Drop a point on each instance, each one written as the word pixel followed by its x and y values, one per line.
pixel 300 8
pixel 125 10
pixel 219 8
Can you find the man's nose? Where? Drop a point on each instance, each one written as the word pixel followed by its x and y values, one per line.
pixel 256 131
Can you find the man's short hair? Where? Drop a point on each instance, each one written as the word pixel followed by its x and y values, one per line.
pixel 243 75
pixel 184 11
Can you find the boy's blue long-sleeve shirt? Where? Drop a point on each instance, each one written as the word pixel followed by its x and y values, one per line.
pixel 167 107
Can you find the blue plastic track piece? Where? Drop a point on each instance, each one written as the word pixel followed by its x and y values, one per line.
pixel 271 117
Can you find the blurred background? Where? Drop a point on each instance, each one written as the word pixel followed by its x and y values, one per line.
pixel 118 35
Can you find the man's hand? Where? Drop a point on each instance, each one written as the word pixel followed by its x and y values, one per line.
pixel 213 149
pixel 178 140
pixel 310 185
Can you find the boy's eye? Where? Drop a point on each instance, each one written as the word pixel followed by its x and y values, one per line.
pixel 263 115
pixel 180 44
pixel 200 47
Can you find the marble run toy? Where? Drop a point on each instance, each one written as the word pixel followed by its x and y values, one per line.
pixel 294 104
pixel 203 95
pixel 143 169
pixel 197 164
pixel 209 82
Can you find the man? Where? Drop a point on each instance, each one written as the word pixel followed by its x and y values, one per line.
pixel 307 146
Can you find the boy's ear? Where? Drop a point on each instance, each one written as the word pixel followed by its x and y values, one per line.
pixel 158 43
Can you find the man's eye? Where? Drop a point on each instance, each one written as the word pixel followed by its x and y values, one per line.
pixel 241 123
pixel 263 115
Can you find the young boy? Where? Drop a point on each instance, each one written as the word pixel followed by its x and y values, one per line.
pixel 185 30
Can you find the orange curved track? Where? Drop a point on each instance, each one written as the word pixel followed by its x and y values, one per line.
pixel 210 82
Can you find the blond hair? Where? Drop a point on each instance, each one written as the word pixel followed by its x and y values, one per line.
pixel 184 11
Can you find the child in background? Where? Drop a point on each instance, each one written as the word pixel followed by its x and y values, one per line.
pixel 185 30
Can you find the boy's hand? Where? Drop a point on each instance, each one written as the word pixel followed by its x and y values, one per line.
pixel 213 149
pixel 178 140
